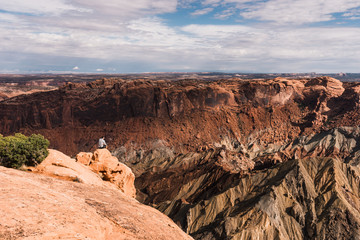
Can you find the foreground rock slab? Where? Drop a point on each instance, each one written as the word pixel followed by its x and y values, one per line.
pixel 35 206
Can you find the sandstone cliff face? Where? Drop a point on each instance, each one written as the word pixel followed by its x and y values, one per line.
pixel 137 114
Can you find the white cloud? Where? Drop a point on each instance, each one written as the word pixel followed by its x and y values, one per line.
pixel 186 3
pixel 298 11
pixel 225 13
pixel 202 11
pixel 211 2
pixel 154 44
pixel 82 28
pixel 285 11
pixel 38 7
pixel 89 14
pixel 217 2
pixel 217 31
pixel 127 32
pixel 9 18
pixel 153 32
pixel 311 48
pixel 353 14
pixel 99 70
pixel 76 68
pixel 127 9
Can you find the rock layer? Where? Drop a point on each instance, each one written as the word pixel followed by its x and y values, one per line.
pixel 138 113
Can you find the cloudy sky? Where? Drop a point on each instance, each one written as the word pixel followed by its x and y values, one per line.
pixel 123 36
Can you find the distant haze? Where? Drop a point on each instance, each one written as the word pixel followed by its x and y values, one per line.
pixel 121 36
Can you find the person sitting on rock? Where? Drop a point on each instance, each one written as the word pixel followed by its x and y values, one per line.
pixel 102 143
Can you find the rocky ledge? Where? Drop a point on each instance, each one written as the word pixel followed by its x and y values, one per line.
pixel 79 205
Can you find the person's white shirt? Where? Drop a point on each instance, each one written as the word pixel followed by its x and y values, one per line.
pixel 102 143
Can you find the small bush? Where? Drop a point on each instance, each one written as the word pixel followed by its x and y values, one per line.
pixel 19 150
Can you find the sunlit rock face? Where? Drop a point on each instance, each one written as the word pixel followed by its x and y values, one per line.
pixel 35 206
pixel 96 168
pixel 110 169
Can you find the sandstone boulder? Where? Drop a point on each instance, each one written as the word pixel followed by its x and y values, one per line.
pixel 110 169
pixel 61 166
pixel 84 158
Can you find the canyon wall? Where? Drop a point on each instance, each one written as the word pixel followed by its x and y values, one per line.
pixel 185 115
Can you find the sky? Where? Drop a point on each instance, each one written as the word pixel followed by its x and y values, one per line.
pixel 135 36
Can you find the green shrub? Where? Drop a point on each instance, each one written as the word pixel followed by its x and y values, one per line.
pixel 19 150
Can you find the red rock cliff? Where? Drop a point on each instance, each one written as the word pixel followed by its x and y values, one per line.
pixel 183 114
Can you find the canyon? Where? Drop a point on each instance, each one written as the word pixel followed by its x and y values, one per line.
pixel 224 159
